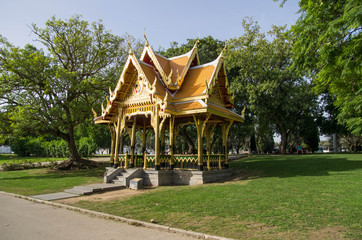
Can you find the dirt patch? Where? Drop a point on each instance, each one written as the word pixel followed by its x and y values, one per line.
pixel 266 232
pixel 330 233
pixel 119 195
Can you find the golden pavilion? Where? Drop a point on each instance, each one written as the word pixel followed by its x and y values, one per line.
pixel 159 93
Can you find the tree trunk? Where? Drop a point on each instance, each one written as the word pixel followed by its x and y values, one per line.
pixel 75 161
pixel 283 141
pixel 190 143
pixel 73 151
pixel 252 143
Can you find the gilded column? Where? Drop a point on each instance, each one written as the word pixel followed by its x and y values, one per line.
pixel 111 129
pixel 116 158
pixel 157 140
pixel 208 146
pixel 133 143
pixel 209 133
pixel 162 145
pixel 225 132
pixel 198 123
pixel 200 127
pixel 162 150
pixel 172 141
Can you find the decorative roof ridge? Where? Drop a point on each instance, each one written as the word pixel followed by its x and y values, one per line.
pixel 214 63
pixel 189 101
pixel 217 65
pixel 213 104
pixel 156 53
pixel 144 63
pixel 188 54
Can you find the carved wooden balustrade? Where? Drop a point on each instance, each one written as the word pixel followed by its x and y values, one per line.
pixel 181 161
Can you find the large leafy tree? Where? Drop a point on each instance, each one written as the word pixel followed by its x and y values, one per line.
pixel 278 97
pixel 208 48
pixel 329 45
pixel 53 91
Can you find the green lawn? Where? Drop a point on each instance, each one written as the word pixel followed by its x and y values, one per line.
pixel 12 158
pixel 283 197
pixel 41 181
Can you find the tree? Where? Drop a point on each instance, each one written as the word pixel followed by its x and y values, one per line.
pixel 277 95
pixel 329 45
pixel 54 92
pixel 208 49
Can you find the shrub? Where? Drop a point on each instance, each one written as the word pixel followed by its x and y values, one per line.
pixel 86 147
pixel 18 145
pixel 56 148
pixel 34 147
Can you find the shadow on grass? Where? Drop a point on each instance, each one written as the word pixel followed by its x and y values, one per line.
pixel 295 165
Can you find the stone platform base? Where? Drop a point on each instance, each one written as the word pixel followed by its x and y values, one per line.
pixel 182 177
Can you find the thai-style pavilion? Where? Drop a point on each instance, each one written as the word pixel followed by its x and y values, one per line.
pixel 166 93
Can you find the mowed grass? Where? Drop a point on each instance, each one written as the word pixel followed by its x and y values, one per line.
pixel 42 181
pixel 279 197
pixel 12 158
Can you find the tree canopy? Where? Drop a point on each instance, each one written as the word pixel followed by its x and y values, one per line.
pixel 278 97
pixel 53 91
pixel 208 48
pixel 328 45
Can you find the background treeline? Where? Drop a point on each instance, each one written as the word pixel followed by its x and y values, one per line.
pixel 41 147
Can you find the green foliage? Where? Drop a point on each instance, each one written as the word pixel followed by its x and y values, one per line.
pixel 277 97
pixel 40 147
pixel 308 131
pixel 99 134
pixel 87 147
pixel 53 93
pixel 328 46
pixel 56 148
pixel 208 49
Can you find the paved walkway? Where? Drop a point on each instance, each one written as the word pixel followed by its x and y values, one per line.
pixel 80 190
pixel 26 220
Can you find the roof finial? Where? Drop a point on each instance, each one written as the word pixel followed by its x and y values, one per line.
pixel 94 113
pixel 129 45
pixel 243 112
pixel 207 87
pixel 144 35
pixel 197 41
pixel 224 49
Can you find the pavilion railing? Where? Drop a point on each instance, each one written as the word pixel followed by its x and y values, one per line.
pixel 216 161
pixel 185 161
pixel 181 161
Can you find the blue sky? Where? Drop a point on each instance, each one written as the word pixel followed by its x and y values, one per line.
pixel 164 20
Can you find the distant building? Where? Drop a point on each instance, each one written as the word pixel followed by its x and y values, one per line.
pixel 5 149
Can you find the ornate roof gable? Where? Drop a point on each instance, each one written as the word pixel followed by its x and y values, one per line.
pixel 208 80
pixel 171 70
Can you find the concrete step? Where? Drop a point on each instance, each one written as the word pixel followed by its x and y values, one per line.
pixel 77 191
pixel 119 182
pixel 55 196
pixel 87 188
pixel 104 187
pixel 119 177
